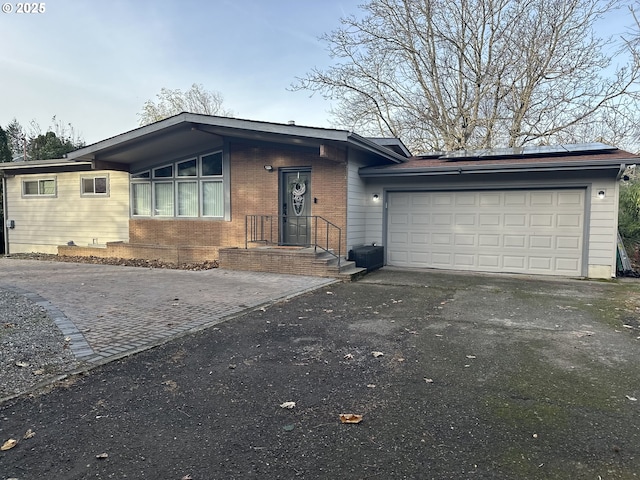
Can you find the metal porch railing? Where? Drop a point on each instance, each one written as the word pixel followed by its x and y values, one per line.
pixel 266 229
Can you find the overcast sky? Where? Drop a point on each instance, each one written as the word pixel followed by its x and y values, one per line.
pixel 94 63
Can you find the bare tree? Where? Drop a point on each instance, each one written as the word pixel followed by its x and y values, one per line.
pixel 171 102
pixel 448 75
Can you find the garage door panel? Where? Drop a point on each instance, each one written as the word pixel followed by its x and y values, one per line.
pixel 419 219
pixel 489 199
pixel 570 199
pixel 399 239
pixel 515 199
pixel 570 243
pixel 464 220
pixel 464 240
pixel 526 231
pixel 541 264
pixel 544 220
pixel 568 220
pixel 441 259
pixel 517 241
pixel 567 264
pixel 418 239
pixel 441 239
pixel 517 262
pixel 418 200
pixel 442 199
pixel 513 220
pixel 489 261
pixel 466 200
pixel 400 219
pixel 485 220
pixel 540 241
pixel 489 240
pixel 463 261
pixel 542 198
pixel 441 219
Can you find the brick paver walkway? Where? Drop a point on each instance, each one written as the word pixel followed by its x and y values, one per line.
pixel 108 311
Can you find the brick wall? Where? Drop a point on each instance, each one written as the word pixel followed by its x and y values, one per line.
pixel 165 253
pixel 255 191
pixel 293 262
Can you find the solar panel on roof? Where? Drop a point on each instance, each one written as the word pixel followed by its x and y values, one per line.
pixel 588 147
pixel 537 150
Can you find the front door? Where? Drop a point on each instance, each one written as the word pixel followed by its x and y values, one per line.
pixel 295 204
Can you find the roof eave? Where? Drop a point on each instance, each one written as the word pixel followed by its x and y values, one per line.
pixel 474 169
pixel 370 146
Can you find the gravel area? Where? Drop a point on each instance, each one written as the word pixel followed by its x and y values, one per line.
pixel 33 350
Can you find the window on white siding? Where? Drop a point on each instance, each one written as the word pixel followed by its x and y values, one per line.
pixel 185 188
pixel 95 185
pixel 41 187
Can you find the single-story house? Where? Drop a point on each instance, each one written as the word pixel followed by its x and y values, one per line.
pixel 247 193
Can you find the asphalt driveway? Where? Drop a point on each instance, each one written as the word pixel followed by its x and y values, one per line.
pixel 455 376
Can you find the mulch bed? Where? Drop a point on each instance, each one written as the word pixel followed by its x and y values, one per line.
pixel 125 262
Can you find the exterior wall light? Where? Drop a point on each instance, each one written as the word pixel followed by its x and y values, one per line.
pixel 376 197
pixel 601 194
pixel 268 168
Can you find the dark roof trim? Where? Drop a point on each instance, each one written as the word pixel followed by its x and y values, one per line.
pixel 43 167
pixel 371 172
pixel 235 127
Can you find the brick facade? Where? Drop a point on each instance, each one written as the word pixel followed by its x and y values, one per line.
pixel 254 191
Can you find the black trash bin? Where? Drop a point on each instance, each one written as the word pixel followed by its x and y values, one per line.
pixel 370 257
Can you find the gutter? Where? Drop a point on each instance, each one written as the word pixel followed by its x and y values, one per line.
pixel 623 167
pixel 469 169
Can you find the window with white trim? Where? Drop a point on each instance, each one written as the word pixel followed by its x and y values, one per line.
pixel 193 187
pixel 98 185
pixel 41 187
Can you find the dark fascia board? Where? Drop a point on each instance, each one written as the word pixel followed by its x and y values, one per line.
pixel 58 162
pixel 227 125
pixel 390 142
pixel 43 167
pixel 371 172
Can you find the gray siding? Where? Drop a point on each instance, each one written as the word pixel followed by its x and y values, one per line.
pixel 601 214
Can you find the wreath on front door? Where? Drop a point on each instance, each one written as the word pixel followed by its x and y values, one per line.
pixel 298 188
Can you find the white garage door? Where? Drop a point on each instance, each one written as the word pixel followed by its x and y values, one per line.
pixel 521 231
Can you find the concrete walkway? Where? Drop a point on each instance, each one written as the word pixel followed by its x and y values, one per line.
pixel 110 311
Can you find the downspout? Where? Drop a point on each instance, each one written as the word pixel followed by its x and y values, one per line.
pixel 5 216
pixel 616 200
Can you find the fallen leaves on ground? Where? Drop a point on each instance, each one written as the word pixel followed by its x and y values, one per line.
pixel 288 405
pixel 9 444
pixel 377 354
pixel 350 418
